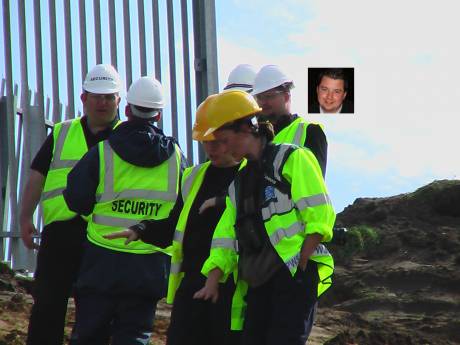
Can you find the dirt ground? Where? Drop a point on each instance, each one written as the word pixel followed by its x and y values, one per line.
pixel 401 288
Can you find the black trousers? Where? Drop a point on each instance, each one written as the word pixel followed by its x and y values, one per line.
pixel 198 322
pixel 282 310
pixel 58 262
pixel 118 319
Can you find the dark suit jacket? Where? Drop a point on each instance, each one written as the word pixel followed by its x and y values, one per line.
pixel 347 108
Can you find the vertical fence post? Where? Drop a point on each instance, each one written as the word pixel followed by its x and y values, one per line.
pixel 83 42
pixel 70 113
pixel 127 33
pixel 206 77
pixel 187 86
pixel 172 68
pixel 113 34
pixel 54 60
pixel 142 43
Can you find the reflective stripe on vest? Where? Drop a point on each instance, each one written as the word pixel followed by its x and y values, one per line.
pixel 57 162
pixel 110 194
pixel 128 206
pixel 69 140
pixel 187 185
pixel 301 128
pixel 295 133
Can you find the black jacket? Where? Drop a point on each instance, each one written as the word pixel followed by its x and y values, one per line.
pixel 347 108
pixel 110 272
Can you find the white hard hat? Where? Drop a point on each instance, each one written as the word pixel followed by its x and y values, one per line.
pixel 146 92
pixel 241 78
pixel 269 77
pixel 102 79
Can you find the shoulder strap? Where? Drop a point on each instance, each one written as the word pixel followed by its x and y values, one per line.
pixel 276 158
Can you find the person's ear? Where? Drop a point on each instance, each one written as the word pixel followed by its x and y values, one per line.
pixel 84 97
pixel 157 118
pixel 287 97
pixel 128 112
pixel 344 95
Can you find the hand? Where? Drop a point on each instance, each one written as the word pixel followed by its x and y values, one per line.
pixel 207 204
pixel 208 292
pixel 28 230
pixel 211 288
pixel 308 247
pixel 129 234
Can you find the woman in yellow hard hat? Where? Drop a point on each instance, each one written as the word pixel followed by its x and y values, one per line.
pixel 190 228
pixel 277 215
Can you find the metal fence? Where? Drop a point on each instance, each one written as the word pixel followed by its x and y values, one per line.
pixel 45 61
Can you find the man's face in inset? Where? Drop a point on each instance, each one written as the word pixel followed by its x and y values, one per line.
pixel 331 93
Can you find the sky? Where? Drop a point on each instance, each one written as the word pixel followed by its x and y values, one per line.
pixel 403 134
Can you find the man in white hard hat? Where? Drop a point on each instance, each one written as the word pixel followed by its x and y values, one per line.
pixel 62 238
pixel 241 78
pixel 272 92
pixel 132 176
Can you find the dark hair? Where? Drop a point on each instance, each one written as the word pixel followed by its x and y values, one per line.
pixel 334 73
pixel 266 130
pixel 143 109
pixel 262 129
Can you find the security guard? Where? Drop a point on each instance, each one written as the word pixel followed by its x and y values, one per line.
pixel 195 322
pixel 64 232
pixel 272 92
pixel 132 176
pixel 277 214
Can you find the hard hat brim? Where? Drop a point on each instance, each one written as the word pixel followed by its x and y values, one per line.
pixel 105 91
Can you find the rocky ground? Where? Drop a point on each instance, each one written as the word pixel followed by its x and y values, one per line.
pixel 397 279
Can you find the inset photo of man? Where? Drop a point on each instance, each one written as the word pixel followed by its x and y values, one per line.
pixel 331 90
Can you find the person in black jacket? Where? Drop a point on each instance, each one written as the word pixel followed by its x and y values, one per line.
pixel 132 176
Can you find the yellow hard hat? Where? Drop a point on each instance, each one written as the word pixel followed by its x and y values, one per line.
pixel 229 106
pixel 201 122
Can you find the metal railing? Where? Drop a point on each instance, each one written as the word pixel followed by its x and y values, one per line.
pixel 156 41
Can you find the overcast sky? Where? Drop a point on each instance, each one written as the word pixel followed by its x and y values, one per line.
pixel 404 133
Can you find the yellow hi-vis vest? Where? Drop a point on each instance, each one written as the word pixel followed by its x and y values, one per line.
pixel 192 179
pixel 69 146
pixel 295 133
pixel 128 194
pixel 287 220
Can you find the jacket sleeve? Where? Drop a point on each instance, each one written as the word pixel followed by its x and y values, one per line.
pixel 316 141
pixel 160 232
pixel 309 193
pixel 223 254
pixel 82 182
